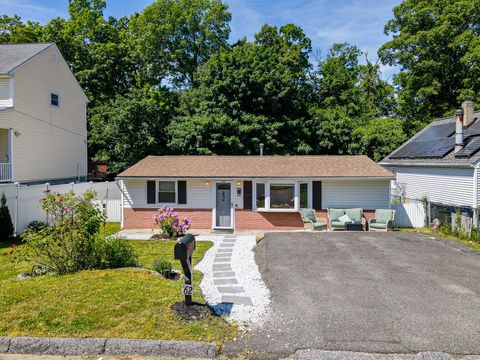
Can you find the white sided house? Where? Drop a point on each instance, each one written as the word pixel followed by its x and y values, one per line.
pixel 250 192
pixel 43 125
pixel 441 162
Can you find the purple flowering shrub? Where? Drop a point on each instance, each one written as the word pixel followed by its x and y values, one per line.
pixel 169 223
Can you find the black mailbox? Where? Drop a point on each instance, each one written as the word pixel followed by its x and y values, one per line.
pixel 183 251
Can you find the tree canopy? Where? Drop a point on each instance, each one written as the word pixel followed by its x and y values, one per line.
pixel 168 81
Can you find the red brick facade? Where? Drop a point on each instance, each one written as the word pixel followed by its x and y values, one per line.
pixel 256 220
pixel 142 218
pixel 244 219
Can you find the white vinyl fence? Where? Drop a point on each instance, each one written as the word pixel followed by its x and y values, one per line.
pixel 409 214
pixel 24 201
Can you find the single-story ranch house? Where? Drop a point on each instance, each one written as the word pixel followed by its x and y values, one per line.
pixel 250 192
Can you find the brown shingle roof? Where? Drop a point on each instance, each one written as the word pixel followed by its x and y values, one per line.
pixel 256 167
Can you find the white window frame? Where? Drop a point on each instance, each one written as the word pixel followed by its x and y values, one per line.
pixel 157 192
pixel 58 99
pixel 267 183
pixel 309 194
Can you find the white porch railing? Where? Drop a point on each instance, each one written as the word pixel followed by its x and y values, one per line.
pixel 5 172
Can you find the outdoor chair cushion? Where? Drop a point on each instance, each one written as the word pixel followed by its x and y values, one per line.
pixel 308 214
pixel 319 225
pixel 383 215
pixel 344 219
pixel 377 225
pixel 335 214
pixel 354 214
pixel 337 224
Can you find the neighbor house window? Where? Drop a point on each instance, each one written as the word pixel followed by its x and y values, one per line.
pixel 166 192
pixel 282 196
pixel 54 101
pixel 260 196
pixel 303 195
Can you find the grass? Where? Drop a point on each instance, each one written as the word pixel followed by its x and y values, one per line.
pixel 469 243
pixel 110 228
pixel 127 303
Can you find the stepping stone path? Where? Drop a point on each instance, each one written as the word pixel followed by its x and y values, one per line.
pixel 224 278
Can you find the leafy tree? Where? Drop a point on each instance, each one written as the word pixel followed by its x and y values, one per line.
pixel 437 46
pixel 255 92
pixel 13 30
pixel 6 225
pixel 348 97
pixel 378 137
pixel 130 127
pixel 174 37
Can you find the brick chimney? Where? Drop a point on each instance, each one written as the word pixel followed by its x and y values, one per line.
pixel 459 130
pixel 469 111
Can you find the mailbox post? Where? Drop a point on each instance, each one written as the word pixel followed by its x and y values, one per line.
pixel 183 251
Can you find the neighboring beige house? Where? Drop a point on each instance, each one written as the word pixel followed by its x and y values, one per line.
pixel 43 125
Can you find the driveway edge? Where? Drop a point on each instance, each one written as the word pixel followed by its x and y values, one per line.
pixel 100 346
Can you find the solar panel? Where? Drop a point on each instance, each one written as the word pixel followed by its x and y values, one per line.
pixel 429 149
pixel 470 149
pixel 472 130
pixel 437 131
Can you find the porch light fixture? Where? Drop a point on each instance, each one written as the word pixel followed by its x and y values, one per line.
pixel 17 133
pixel 207 183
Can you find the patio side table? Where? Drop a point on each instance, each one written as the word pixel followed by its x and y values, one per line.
pixel 354 226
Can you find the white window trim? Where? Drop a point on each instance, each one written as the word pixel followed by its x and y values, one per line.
pixel 157 188
pixel 296 184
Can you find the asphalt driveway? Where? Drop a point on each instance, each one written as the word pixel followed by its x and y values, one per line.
pixel 369 292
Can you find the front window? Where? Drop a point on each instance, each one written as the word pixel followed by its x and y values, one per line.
pixel 304 195
pixel 166 192
pixel 260 196
pixel 282 196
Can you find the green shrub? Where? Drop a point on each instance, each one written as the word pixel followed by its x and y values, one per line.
pixel 115 253
pixel 68 243
pixel 163 267
pixel 6 225
pixel 36 226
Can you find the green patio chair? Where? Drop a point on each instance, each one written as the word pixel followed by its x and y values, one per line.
pixel 311 221
pixel 383 220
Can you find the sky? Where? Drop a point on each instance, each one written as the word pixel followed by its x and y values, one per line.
pixel 325 22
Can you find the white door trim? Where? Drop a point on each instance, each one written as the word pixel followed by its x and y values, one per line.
pixel 232 208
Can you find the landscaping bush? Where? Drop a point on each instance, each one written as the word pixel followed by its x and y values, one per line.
pixel 36 226
pixel 163 267
pixel 6 225
pixel 72 241
pixel 169 223
pixel 115 253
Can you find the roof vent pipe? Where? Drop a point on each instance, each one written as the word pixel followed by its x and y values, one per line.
pixel 459 130
pixel 469 110
pixel 261 149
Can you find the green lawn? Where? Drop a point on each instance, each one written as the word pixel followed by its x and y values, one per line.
pixel 131 303
pixel 470 243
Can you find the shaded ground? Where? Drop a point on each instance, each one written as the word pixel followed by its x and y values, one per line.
pixel 371 292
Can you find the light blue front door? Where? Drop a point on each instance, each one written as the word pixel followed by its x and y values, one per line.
pixel 224 206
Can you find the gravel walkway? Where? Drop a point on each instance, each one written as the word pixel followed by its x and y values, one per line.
pixel 232 284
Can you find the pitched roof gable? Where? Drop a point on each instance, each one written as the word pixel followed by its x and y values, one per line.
pixel 14 55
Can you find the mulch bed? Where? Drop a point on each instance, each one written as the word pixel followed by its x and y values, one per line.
pixel 196 311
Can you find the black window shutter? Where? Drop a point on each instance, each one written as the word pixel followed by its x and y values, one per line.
pixel 317 195
pixel 247 195
pixel 151 192
pixel 182 192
